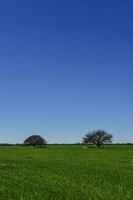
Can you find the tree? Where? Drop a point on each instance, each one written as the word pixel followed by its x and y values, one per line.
pixel 98 137
pixel 35 140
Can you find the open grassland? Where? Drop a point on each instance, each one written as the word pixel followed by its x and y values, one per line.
pixel 66 173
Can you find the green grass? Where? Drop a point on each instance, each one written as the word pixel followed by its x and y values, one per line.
pixel 66 173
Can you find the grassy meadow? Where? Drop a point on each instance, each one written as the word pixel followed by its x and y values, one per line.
pixel 66 173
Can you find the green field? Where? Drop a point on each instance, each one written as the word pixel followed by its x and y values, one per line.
pixel 66 173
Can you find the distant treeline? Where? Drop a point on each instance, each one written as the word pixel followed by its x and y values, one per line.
pixel 62 144
pixel 7 144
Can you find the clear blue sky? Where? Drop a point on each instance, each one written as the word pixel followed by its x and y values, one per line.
pixel 66 67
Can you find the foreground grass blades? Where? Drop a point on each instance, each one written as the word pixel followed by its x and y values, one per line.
pixel 70 173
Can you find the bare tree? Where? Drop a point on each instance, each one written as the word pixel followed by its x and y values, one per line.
pixel 98 137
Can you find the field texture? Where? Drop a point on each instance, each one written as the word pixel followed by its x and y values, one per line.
pixel 66 173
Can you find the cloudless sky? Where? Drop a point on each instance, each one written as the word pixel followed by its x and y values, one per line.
pixel 66 67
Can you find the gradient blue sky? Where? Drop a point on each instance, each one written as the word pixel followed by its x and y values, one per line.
pixel 66 67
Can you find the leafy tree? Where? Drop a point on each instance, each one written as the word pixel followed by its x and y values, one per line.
pixel 98 137
pixel 35 140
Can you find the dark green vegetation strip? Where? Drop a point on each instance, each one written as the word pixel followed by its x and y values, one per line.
pixel 71 173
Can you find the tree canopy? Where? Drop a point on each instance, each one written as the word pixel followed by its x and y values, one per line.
pixel 98 137
pixel 35 140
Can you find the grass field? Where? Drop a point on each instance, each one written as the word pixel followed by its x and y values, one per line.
pixel 66 173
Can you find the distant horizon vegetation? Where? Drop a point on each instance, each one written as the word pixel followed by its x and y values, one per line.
pixel 84 142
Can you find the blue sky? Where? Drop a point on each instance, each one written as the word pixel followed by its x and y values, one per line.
pixel 66 67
